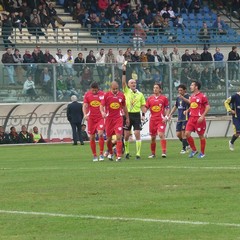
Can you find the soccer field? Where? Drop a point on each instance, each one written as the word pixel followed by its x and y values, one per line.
pixel 57 192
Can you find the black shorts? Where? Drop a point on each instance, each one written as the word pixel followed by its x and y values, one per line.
pixel 181 126
pixel 135 122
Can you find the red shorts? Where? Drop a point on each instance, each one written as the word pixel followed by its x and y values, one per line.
pixel 94 125
pixel 194 126
pixel 156 126
pixel 114 126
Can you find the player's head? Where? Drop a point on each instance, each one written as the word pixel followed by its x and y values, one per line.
pixel 157 88
pixel 182 89
pixel 132 84
pixel 195 86
pixel 114 87
pixel 94 87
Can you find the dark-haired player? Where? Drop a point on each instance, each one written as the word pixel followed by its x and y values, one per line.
pixel 91 111
pixel 232 104
pixel 158 105
pixel 181 105
pixel 198 109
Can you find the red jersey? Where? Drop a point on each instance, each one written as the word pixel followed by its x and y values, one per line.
pixel 113 104
pixel 157 106
pixel 94 101
pixel 198 103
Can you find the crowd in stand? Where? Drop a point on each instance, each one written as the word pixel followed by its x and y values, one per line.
pixel 75 74
pixel 33 15
pixel 23 137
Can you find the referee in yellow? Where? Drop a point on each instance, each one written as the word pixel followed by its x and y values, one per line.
pixel 136 109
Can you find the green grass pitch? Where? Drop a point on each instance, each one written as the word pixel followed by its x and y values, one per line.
pixel 56 192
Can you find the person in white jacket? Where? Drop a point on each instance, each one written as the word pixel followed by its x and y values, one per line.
pixel 29 88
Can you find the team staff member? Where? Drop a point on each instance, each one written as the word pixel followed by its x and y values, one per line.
pixel 181 105
pixel 91 110
pixel 158 105
pixel 232 104
pixel 135 102
pixel 112 107
pixel 199 107
pixel 75 116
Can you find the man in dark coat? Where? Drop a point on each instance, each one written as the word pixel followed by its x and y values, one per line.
pixel 75 116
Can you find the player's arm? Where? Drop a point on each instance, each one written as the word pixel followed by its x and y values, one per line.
pixel 207 108
pixel 124 79
pixel 184 99
pixel 172 111
pixel 85 111
pixel 126 115
pixel 227 105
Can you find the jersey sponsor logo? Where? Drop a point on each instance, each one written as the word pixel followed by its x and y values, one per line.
pixel 115 105
pixel 95 103
pixel 194 105
pixel 156 108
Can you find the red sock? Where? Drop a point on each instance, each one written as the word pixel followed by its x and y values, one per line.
pixel 101 145
pixel 119 148
pixel 203 145
pixel 109 146
pixel 191 143
pixel 164 145
pixel 93 147
pixel 153 148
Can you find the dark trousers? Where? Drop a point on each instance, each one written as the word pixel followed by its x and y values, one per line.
pixel 76 132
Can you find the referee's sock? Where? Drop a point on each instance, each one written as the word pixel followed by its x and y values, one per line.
pixel 126 144
pixel 138 147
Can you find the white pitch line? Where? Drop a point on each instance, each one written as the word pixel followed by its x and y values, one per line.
pixel 119 218
pixel 125 167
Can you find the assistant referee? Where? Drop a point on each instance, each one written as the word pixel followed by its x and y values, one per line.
pixel 136 109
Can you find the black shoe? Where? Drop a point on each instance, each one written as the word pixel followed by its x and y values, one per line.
pixel 138 157
pixel 82 143
pixel 74 143
pixel 127 156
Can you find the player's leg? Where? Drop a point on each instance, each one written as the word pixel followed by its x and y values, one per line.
pixel 153 134
pixel 100 129
pixel 189 129
pixel 200 129
pixel 236 133
pixel 163 143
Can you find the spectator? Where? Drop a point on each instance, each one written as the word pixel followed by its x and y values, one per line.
pixel 217 80
pixel 8 61
pixel 196 73
pixel 85 136
pixel 233 65
pixel 59 60
pixel 79 62
pixel 29 88
pixel 54 17
pixel 20 21
pixel 71 86
pixel 186 57
pixel 18 59
pixel 158 22
pixel 219 64
pixel 143 60
pixel 7 30
pixel 68 62
pixel 86 79
pixel 139 37
pixel 206 56
pixel 79 13
pixel 219 26
pixel 120 59
pixel 204 33
pixel 164 13
pixel 47 80
pixel 135 5
pixel 26 10
pixel 133 18
pixel 185 77
pixel 36 136
pixel 165 58
pixel 24 136
pixel 44 16
pixel 175 78
pixel 113 25
pixel 110 61
pixel 157 61
pixel 178 22
pixel 147 80
pixel 35 24
pixel 100 63
pixel 195 56
pixel 143 25
pixel 148 16
pixel 110 10
pixel 91 59
pixel 28 61
pixel 62 90
pixel 4 137
pixel 13 136
pixel 171 13
pixel 175 57
pixel 206 79
pixel 49 57
pixel 195 6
